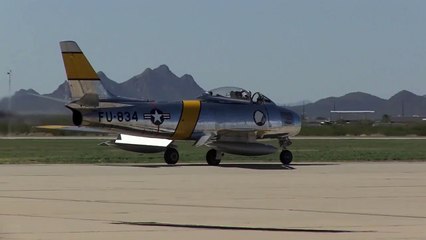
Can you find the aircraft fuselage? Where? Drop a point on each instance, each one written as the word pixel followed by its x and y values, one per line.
pixel 191 119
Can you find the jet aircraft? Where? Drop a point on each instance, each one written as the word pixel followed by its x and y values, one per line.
pixel 226 120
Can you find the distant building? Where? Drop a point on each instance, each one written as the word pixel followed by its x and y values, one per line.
pixel 408 119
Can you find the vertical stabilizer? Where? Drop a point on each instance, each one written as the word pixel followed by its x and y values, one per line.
pixel 82 78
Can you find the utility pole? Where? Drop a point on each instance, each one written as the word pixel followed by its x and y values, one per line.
pixel 9 74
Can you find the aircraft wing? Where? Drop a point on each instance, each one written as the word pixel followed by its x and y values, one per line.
pixel 123 141
pixel 139 144
pixel 81 129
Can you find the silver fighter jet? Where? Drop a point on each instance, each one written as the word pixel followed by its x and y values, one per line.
pixel 227 120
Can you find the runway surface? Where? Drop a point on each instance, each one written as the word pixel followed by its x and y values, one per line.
pixel 235 201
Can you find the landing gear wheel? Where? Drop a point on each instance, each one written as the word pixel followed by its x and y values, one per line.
pixel 212 158
pixel 286 157
pixel 171 156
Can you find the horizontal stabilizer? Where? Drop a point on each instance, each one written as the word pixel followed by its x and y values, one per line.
pixel 50 98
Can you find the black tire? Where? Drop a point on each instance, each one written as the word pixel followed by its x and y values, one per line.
pixel 211 158
pixel 286 157
pixel 171 156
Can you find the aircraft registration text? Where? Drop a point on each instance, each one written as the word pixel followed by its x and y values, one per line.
pixel 120 116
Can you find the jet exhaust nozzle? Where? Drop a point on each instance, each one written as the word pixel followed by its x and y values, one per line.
pixel 77 117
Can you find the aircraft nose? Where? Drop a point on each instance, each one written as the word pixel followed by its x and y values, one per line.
pixel 291 120
pixel 296 118
pixel 289 117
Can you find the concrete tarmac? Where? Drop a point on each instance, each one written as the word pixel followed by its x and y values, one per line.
pixel 234 201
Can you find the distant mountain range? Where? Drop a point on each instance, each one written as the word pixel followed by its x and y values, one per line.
pixel 161 84
pixel 404 103
pixel 158 84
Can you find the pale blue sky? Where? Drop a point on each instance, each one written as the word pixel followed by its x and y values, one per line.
pixel 289 50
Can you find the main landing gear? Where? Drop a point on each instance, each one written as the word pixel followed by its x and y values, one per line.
pixel 213 157
pixel 171 156
pixel 286 157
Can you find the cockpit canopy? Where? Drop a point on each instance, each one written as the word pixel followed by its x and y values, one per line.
pixel 231 92
pixel 237 94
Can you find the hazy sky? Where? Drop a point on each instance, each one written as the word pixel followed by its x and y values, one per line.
pixel 289 50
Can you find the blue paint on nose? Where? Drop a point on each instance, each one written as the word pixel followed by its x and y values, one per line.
pixel 296 118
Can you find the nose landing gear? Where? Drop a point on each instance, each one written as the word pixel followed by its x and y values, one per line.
pixel 286 157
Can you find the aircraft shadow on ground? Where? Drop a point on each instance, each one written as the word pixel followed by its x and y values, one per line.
pixel 253 166
pixel 214 227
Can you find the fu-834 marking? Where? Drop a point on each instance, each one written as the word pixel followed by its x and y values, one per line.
pixel 120 116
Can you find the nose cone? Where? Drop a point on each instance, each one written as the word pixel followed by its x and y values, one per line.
pixel 296 118
pixel 291 121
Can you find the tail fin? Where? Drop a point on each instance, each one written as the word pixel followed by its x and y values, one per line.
pixel 82 78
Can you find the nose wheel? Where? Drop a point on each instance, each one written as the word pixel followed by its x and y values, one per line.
pixel 171 156
pixel 213 157
pixel 286 157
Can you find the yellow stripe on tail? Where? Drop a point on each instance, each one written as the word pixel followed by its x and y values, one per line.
pixel 82 78
pixel 78 67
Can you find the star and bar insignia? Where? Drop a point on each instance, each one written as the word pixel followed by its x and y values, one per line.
pixel 156 116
